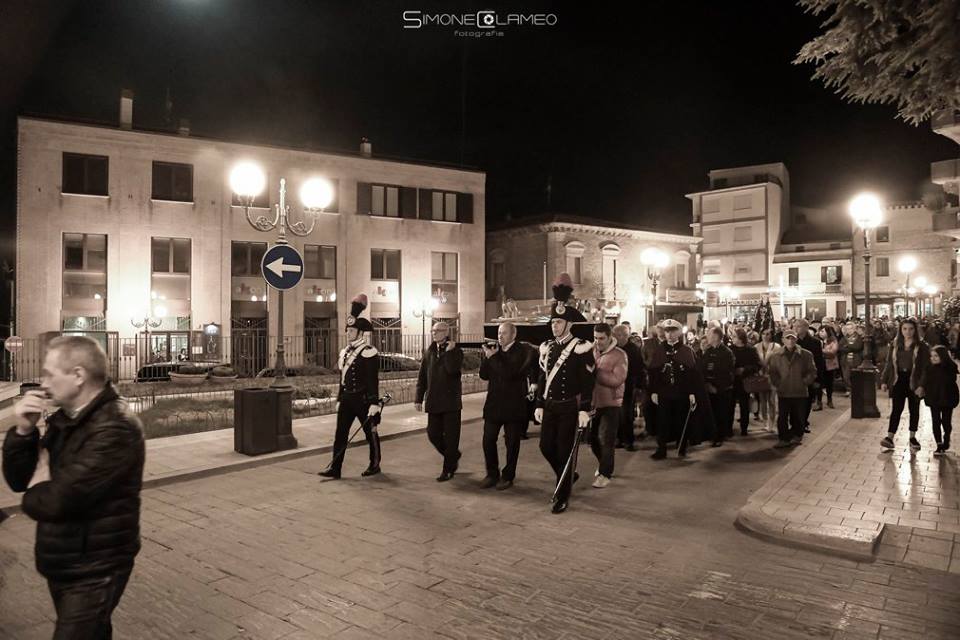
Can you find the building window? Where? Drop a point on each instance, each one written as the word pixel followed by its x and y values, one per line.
pixel 743 268
pixel 246 257
pixel 831 275
pixel 711 236
pixel 172 181
pixel 742 202
pixel 319 261
pixel 883 234
pixel 575 251
pixel 85 174
pixel 793 276
pixel 883 267
pixel 385 201
pixel 84 273
pixel 444 282
pixel 384 264
pixel 742 234
pixel 170 277
pixel 711 205
pixel 711 267
pixel 681 280
pixel 261 201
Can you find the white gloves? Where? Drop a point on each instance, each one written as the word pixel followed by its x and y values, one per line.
pixel 583 419
pixel 374 409
pixel 654 398
pixel 538 414
pixel 693 402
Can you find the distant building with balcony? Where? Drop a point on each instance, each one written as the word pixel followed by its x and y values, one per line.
pixel 116 223
pixel 603 259
pixel 908 229
pixel 739 220
pixel 812 267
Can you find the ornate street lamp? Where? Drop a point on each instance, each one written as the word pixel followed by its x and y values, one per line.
pixel 866 212
pixel 656 261
pixel 248 181
pixel 427 307
pixel 146 323
pixel 907 265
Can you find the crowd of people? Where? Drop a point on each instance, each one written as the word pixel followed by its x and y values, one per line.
pixel 82 479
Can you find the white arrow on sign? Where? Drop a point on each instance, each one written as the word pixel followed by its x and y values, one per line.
pixel 278 267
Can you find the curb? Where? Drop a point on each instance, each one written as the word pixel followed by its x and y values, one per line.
pixel 846 542
pixel 253 462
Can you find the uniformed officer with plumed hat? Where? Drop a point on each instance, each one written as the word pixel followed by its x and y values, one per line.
pixel 565 388
pixel 359 391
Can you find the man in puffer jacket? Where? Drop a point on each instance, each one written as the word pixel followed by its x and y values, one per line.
pixel 87 500
pixel 611 374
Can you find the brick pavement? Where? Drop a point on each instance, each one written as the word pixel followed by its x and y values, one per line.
pixel 273 552
pixel 842 492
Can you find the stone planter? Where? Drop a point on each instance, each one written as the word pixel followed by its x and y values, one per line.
pixel 188 379
pixel 223 379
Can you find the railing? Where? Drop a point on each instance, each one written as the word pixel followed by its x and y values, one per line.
pixel 250 354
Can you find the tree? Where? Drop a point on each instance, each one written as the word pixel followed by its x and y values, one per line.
pixel 900 52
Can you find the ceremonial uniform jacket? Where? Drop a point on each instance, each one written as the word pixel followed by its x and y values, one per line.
pixel 676 376
pixel 574 380
pixel 362 375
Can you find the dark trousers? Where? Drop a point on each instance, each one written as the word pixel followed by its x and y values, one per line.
pixel 742 399
pixel 443 431
pixel 625 419
pixel 794 411
pixel 941 416
pixel 511 435
pixel 671 416
pixel 722 407
pixel 603 432
pixel 353 407
pixel 558 432
pixel 649 415
pixel 84 606
pixel 813 395
pixel 902 395
pixel 828 383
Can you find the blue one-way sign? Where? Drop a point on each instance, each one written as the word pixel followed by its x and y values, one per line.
pixel 282 267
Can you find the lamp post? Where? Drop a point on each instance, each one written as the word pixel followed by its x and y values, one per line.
pixel 427 307
pixel 146 323
pixel 655 260
pixel 907 264
pixel 866 213
pixel 929 291
pixel 248 181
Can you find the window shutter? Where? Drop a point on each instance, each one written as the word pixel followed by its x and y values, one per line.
pixel 408 202
pixel 364 197
pixel 426 204
pixel 465 207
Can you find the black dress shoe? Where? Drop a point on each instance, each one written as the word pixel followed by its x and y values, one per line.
pixel 559 506
pixel 716 443
pixel 504 484
pixel 370 471
pixel 659 454
pixel 446 475
pixel 488 482
pixel 682 453
pixel 330 473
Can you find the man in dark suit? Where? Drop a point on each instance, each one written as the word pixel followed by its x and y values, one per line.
pixel 812 344
pixel 439 392
pixel 505 366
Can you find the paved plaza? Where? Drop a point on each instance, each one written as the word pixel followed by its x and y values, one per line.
pixel 274 552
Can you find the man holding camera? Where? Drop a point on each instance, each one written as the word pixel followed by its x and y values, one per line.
pixel 505 365
pixel 439 392
pixel 87 506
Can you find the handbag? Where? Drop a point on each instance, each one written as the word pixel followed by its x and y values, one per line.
pixel 757 383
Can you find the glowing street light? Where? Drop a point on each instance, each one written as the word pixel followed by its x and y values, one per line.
pixel 656 261
pixel 866 212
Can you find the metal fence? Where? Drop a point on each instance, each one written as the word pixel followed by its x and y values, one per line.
pixel 152 357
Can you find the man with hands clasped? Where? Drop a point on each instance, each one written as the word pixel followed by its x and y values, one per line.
pixel 439 392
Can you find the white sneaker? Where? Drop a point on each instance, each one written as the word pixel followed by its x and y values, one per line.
pixel 596 473
pixel 601 482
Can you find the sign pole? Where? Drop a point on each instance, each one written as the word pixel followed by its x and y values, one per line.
pixel 281 366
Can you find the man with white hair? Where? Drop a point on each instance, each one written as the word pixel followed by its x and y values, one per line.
pixel 87 500
pixel 439 392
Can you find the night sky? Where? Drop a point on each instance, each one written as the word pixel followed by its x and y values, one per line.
pixel 622 113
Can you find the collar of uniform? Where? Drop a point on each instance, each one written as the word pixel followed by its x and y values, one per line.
pixel 358 342
pixel 507 347
pixel 564 339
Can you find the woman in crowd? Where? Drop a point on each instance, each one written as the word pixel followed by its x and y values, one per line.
pixel 831 351
pixel 767 399
pixel 941 396
pixel 746 363
pixel 904 376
